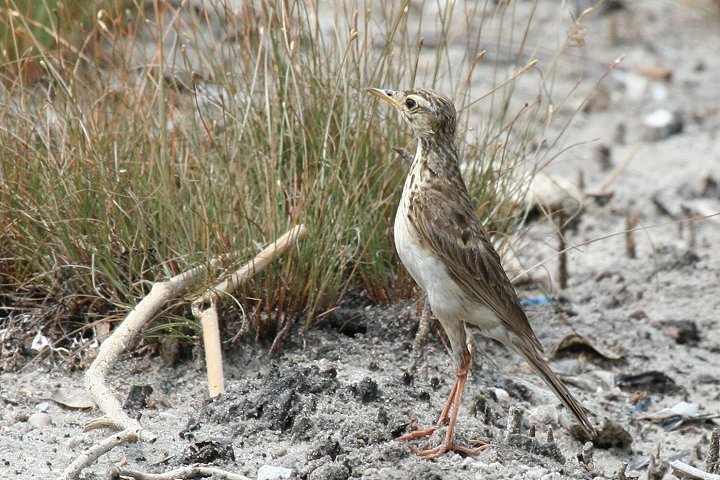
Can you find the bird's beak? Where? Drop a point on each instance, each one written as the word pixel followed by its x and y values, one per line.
pixel 384 95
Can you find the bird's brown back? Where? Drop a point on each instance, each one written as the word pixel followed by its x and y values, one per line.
pixel 442 214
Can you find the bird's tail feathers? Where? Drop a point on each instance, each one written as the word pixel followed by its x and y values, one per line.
pixel 561 391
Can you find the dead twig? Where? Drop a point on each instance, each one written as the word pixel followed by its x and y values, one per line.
pixel 108 354
pixel 562 249
pixel 90 455
pixel 712 462
pixel 620 475
pixel 213 349
pixel 182 472
pixel 631 221
pixel 111 349
pixel 683 470
pixel 208 316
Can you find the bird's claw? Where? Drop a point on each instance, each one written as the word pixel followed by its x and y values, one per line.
pixel 445 447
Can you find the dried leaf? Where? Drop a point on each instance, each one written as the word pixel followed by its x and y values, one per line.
pixel 652 380
pixel 71 399
pixel 573 344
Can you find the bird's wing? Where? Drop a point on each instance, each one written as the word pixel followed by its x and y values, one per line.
pixel 448 225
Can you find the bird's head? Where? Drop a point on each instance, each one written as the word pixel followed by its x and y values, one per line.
pixel 429 113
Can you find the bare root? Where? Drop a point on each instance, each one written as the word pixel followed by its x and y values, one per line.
pixel 90 455
pixel 109 352
pixel 208 317
pixel 182 472
pixel 683 470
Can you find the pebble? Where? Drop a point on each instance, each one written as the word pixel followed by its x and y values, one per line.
pixel 553 192
pixel 502 396
pixel 682 331
pixel 543 415
pixel 659 92
pixel 660 124
pixel 330 471
pixel 550 476
pixel 20 417
pixel 635 84
pixel 279 452
pixel 40 419
pixel 269 472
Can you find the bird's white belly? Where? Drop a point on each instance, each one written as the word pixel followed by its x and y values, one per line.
pixel 430 273
pixel 447 299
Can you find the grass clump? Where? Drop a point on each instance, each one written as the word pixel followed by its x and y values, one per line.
pixel 171 136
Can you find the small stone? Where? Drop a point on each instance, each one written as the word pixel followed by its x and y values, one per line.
pixel 40 419
pixel 620 133
pixel 328 447
pixel 269 472
pixel 661 124
pixel 603 157
pixel 170 350
pixel 635 84
pixel 682 331
pixel 137 398
pixel 75 442
pixel 502 395
pixel 552 192
pixel 543 415
pixel 366 390
pixel 20 417
pixel 279 452
pixel 330 471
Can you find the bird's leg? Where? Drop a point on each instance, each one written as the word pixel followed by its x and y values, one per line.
pixel 444 414
pixel 442 420
pixel 453 407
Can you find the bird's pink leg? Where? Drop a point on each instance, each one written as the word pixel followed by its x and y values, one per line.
pixel 442 420
pixel 450 411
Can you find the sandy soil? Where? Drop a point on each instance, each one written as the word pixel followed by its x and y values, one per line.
pixel 332 403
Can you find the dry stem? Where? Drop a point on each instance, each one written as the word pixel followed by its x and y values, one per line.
pixel 182 472
pixel 209 317
pixel 683 470
pixel 111 349
pixel 93 453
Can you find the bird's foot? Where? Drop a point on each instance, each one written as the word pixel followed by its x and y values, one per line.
pixel 446 447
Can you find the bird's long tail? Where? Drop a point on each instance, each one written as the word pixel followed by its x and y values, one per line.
pixel 553 381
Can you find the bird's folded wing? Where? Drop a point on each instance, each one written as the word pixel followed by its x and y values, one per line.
pixel 453 231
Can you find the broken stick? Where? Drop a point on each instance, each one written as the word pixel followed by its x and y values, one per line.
pixel 181 473
pixel 111 349
pixel 683 470
pixel 209 318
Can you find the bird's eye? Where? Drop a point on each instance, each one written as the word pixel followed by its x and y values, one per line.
pixel 410 104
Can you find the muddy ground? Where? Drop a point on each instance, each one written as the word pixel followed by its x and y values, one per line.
pixel 332 403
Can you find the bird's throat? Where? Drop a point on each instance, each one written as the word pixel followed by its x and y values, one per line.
pixel 435 159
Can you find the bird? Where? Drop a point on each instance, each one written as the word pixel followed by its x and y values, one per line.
pixel 442 242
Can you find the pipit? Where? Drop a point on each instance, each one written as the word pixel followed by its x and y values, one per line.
pixel 442 243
